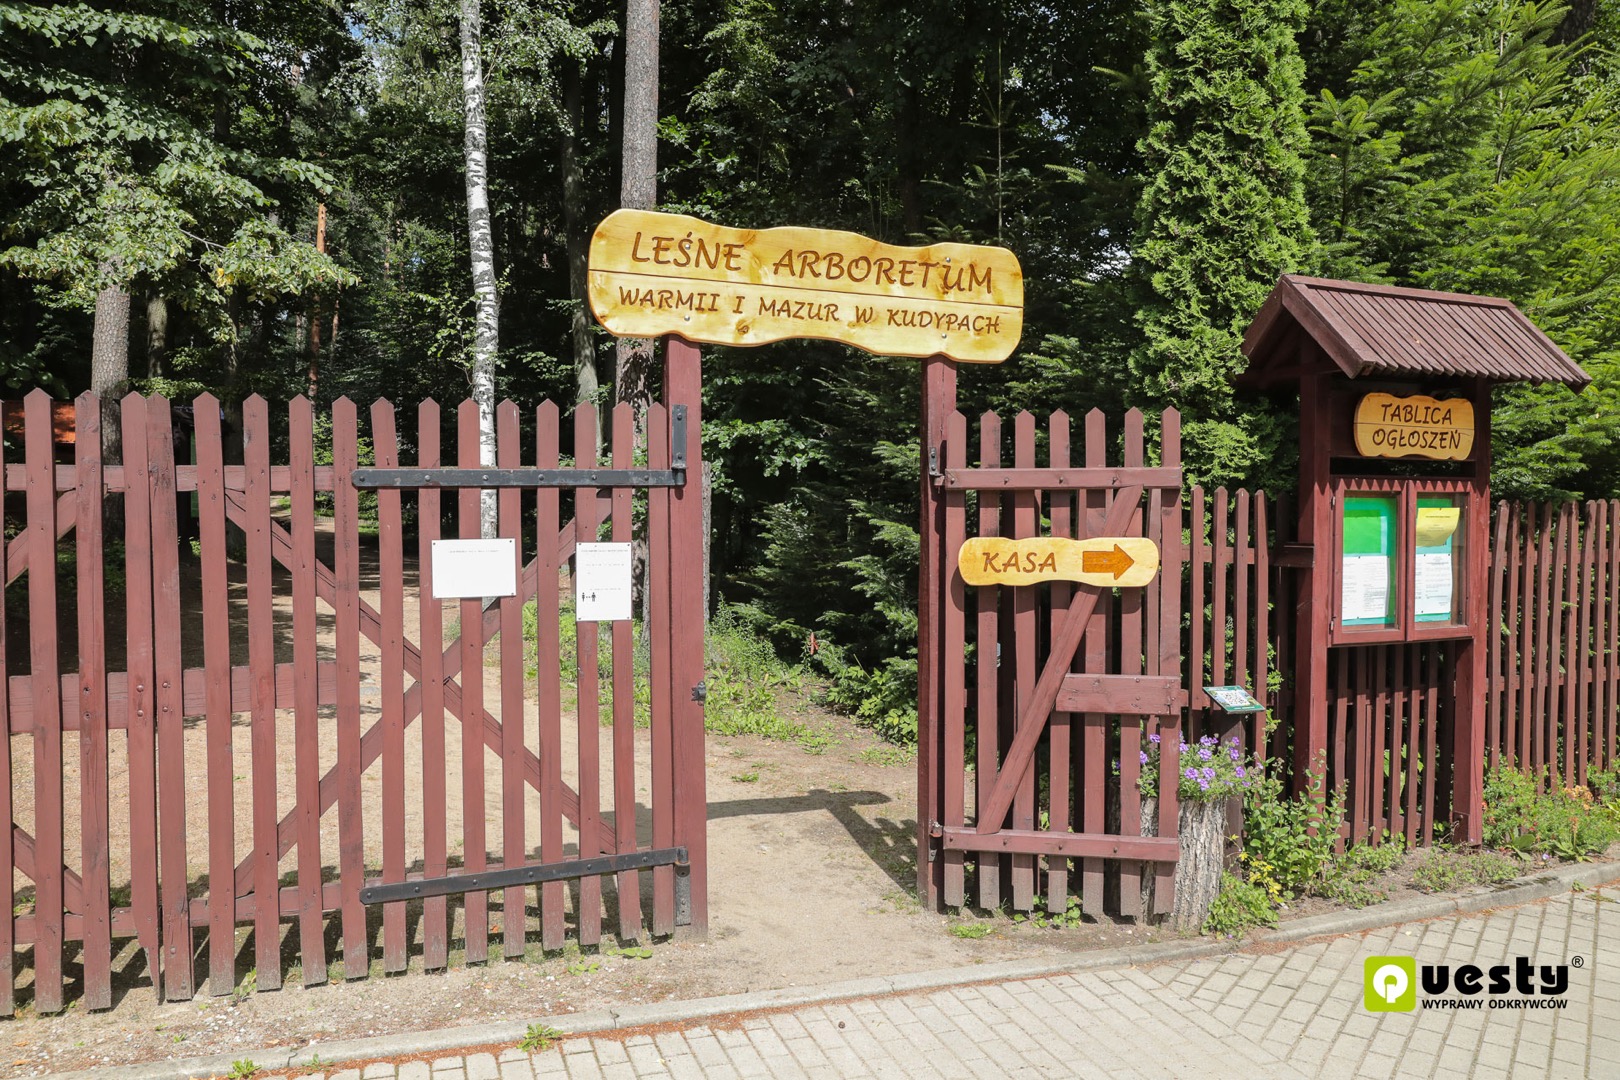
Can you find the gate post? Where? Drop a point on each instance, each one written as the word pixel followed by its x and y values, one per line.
pixel 938 402
pixel 683 386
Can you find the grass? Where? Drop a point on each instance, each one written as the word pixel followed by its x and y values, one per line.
pixel 888 754
pixel 1448 871
pixel 745 682
pixel 972 931
pixel 538 1037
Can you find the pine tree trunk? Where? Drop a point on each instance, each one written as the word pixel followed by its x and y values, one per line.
pixel 157 333
pixel 638 181
pixel 1198 874
pixel 573 179
pixel 109 365
pixel 481 242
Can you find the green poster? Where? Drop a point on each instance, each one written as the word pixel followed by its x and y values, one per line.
pixel 1368 572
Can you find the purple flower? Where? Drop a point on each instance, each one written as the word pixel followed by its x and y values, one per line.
pixel 1191 773
pixel 1144 757
pixel 1154 738
pixel 1183 748
pixel 1203 785
pixel 1209 773
pixel 1204 754
pixel 1234 740
pixel 1237 755
pixel 1241 774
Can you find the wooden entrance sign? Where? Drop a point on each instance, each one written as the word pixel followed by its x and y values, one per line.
pixel 1419 426
pixel 1126 562
pixel 652 274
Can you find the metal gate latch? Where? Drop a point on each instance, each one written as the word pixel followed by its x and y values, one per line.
pixel 700 692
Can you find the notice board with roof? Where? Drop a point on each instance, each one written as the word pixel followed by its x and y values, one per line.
pixel 1394 390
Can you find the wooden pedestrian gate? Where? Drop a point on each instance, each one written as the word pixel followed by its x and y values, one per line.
pixel 216 705
pixel 1055 690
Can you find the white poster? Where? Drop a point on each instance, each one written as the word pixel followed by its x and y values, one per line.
pixel 602 582
pixel 474 568
pixel 1365 593
pixel 1433 586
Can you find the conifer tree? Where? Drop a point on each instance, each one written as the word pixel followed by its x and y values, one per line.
pixel 1222 212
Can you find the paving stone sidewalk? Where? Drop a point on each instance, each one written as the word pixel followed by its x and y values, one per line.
pixel 1293 1011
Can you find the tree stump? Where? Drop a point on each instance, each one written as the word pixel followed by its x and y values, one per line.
pixel 1198 874
pixel 1150 827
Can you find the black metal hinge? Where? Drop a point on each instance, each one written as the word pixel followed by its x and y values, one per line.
pixel 674 476
pixel 387 892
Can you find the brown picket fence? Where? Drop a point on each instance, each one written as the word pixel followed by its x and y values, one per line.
pixel 1553 685
pixel 262 681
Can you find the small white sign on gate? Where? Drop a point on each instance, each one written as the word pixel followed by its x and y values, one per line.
pixel 602 582
pixel 474 568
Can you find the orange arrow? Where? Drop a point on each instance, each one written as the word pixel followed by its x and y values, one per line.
pixel 1114 562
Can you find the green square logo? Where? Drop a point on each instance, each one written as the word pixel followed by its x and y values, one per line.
pixel 1389 984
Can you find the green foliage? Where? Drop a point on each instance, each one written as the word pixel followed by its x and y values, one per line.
pixel 242 1070
pixel 1067 919
pixel 1352 877
pixel 130 169
pixel 1293 837
pixel 538 1037
pixel 1524 813
pixel 971 931
pixel 1471 147
pixel 1221 215
pixel 748 687
pixel 1239 906
pixel 1449 871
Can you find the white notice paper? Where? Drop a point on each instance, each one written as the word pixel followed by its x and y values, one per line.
pixel 601 582
pixel 474 568
pixel 1433 586
pixel 1365 593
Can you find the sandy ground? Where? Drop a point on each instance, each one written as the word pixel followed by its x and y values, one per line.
pixel 812 871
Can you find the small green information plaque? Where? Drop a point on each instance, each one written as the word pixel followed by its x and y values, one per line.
pixel 1233 699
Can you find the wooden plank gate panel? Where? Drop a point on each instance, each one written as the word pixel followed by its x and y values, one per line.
pixel 1026 644
pixel 328 726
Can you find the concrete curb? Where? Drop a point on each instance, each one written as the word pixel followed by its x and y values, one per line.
pixel 1541 886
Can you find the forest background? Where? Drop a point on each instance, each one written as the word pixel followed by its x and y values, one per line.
pixel 273 198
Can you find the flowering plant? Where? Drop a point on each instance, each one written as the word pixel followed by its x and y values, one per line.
pixel 1210 769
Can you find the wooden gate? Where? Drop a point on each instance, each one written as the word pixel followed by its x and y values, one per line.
pixel 1055 690
pixel 323 675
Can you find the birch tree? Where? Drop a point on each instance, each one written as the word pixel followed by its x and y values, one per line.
pixel 481 244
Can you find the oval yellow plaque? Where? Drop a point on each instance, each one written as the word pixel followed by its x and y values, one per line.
pixel 653 273
pixel 1393 427
pixel 1127 562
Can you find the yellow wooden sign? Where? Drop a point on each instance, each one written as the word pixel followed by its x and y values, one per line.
pixel 1393 427
pixel 653 274
pixel 1127 562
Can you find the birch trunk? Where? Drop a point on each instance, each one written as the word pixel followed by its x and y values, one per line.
pixel 481 242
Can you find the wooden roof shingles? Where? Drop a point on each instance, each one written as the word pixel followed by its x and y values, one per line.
pixel 1391 331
